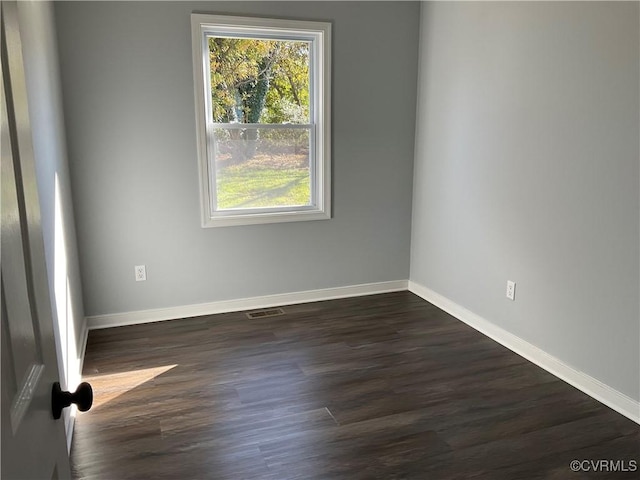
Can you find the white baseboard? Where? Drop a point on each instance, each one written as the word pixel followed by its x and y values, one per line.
pixel 69 426
pixel 605 394
pixel 225 306
pixel 84 335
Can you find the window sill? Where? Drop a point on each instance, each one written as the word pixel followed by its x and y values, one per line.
pixel 229 220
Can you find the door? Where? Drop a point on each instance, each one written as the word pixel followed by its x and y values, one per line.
pixel 33 443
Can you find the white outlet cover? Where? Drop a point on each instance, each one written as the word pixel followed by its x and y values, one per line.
pixel 140 273
pixel 511 290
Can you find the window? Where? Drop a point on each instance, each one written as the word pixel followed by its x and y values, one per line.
pixel 262 91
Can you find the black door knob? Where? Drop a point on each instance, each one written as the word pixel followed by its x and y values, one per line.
pixel 82 397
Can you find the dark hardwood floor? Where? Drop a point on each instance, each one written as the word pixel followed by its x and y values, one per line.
pixel 385 386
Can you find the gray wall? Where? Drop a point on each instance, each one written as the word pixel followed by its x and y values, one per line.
pixel 527 155
pixel 42 76
pixel 128 97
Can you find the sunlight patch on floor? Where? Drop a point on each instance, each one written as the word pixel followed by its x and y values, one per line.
pixel 107 387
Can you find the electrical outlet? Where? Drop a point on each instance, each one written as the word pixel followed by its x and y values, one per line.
pixel 141 273
pixel 511 290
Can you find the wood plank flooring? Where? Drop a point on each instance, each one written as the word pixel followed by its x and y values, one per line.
pixel 381 387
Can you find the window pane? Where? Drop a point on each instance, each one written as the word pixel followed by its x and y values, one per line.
pixel 259 81
pixel 262 167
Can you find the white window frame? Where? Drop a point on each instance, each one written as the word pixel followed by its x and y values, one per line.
pixel 319 36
